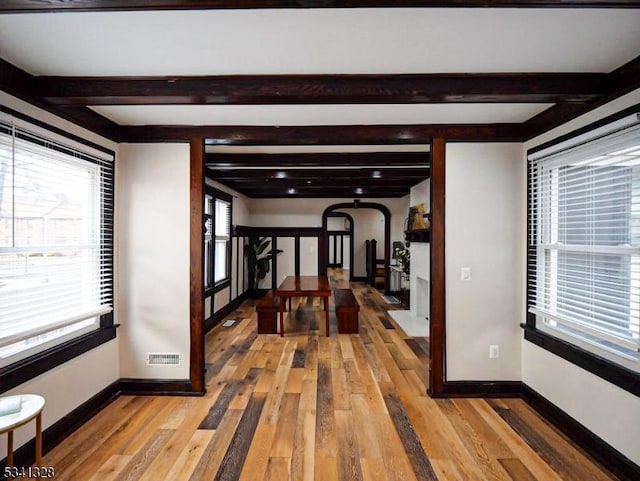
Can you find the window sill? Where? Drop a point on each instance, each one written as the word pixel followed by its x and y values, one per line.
pixel 609 371
pixel 26 369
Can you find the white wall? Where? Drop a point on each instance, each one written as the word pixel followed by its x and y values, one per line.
pixel 152 188
pixel 69 385
pixel 485 215
pixel 610 412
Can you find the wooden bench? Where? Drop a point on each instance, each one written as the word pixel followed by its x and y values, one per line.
pixel 347 309
pixel 267 309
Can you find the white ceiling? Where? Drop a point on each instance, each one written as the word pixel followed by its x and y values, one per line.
pixel 318 114
pixel 339 41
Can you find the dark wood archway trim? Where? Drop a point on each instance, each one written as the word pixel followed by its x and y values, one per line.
pixel 356 204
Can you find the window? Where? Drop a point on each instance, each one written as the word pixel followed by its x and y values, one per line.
pixel 217 238
pixel 584 242
pixel 56 240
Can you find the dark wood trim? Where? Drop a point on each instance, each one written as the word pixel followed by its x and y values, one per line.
pixel 238 293
pixel 221 285
pixel 583 130
pixel 357 160
pixel 296 248
pixel 20 84
pixel 216 317
pixel 437 315
pixel 617 83
pixel 601 451
pixel 603 368
pixel 158 387
pixel 33 366
pixel 480 389
pixel 243 230
pixel 32 6
pixel 64 427
pixel 322 89
pixel 331 212
pixel 55 130
pixel 324 134
pixel 358 279
pixel 274 262
pixel 417 235
pixel 196 268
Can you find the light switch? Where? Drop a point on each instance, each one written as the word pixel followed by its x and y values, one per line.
pixel 465 273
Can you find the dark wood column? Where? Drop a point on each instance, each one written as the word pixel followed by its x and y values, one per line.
pixel 437 339
pixel 196 282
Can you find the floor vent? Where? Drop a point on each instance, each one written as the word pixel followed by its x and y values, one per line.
pixel 229 323
pixel 163 359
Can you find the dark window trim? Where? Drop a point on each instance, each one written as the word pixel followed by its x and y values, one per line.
pixel 26 369
pixel 219 194
pixel 220 285
pixel 616 374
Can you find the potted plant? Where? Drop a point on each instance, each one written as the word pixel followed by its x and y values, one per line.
pixel 258 261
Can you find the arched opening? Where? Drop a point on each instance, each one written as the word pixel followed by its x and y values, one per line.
pixel 356 204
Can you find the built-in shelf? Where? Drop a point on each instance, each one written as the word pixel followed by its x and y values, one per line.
pixel 417 235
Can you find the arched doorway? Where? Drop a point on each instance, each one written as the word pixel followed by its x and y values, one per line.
pixel 356 204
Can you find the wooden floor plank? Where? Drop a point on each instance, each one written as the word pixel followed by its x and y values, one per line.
pixel 238 449
pixel 307 407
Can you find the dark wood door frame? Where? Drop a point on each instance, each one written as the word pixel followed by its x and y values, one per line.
pixel 356 204
pixel 437 328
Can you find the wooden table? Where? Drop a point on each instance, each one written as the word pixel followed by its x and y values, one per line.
pixel 32 405
pixel 304 286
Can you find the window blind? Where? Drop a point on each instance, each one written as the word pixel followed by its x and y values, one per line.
pixel 223 237
pixel 584 238
pixel 56 239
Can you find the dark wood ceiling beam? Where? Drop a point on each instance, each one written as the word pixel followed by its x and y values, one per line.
pixel 617 83
pixel 318 159
pixel 230 135
pixel 323 89
pixel 25 6
pixel 337 176
pixel 21 84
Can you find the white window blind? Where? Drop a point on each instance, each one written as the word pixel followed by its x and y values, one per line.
pixel 222 238
pixel 56 205
pixel 584 239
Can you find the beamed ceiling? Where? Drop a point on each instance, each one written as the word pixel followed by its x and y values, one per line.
pixel 325 98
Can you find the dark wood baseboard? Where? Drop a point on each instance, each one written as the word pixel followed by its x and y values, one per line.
pixel 61 429
pixel 358 279
pixel 602 452
pixel 479 389
pixel 157 387
pixel 216 318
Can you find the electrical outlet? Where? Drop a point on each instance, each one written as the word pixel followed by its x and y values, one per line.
pixel 465 273
pixel 494 351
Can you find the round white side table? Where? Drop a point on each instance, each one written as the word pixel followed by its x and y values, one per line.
pixel 32 406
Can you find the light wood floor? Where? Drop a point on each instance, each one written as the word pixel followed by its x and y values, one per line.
pixel 307 407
